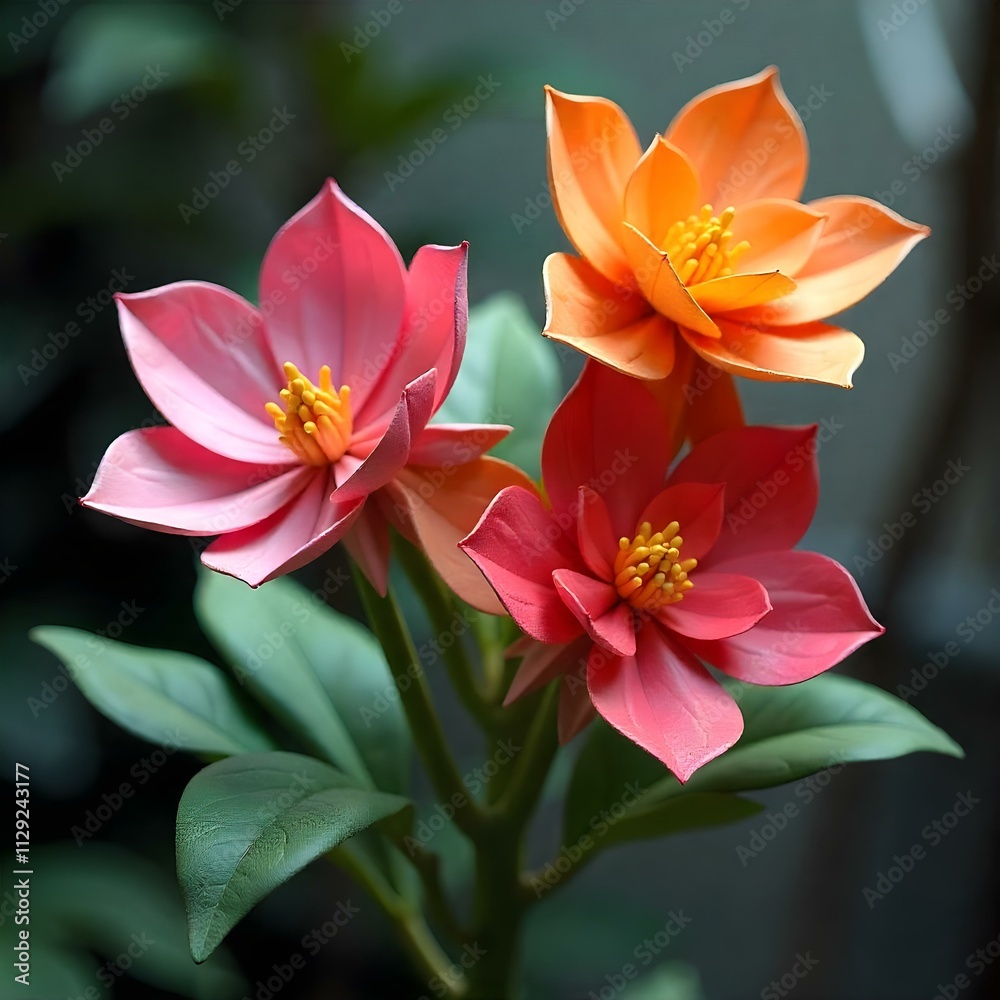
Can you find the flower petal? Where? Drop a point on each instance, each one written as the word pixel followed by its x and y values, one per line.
pixel 771 482
pixel 663 190
pixel 334 282
pixel 517 545
pixel 609 433
pixel 576 711
pixel 594 533
pixel 368 544
pixel 432 335
pixel 862 243
pixel 819 618
pixel 441 506
pixel 200 353
pixel 158 478
pixel 699 507
pixel 659 282
pixel 543 662
pixel 740 291
pixel 455 444
pixel 713 403
pixel 613 325
pixel 720 605
pixel 298 533
pixel 393 451
pixel 592 150
pixel 598 608
pixel 782 235
pixel 745 141
pixel 663 699
pixel 812 352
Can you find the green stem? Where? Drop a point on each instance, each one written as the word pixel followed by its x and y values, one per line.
pixel 443 613
pixel 390 629
pixel 428 866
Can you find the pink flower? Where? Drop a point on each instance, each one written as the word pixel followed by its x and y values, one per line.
pixel 627 579
pixel 304 420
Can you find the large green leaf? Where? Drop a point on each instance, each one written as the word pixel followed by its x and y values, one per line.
pixel 247 824
pixel 509 375
pixel 790 732
pixel 157 694
pixel 319 671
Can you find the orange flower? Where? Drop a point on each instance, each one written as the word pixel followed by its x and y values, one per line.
pixel 703 235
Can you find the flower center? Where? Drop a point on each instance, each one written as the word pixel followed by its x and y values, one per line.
pixel 698 246
pixel 315 421
pixel 649 571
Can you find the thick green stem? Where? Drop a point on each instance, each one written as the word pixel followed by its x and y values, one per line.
pixel 389 627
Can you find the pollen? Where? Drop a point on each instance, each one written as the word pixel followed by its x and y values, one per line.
pixel 699 247
pixel 649 571
pixel 314 421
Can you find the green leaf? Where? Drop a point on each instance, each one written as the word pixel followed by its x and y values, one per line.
pixel 790 732
pixel 157 694
pixel 320 672
pixel 509 375
pixel 103 900
pixel 247 824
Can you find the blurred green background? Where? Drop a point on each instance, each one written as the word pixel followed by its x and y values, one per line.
pixel 118 123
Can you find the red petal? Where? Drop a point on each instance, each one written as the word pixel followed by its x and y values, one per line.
pixel 699 507
pixel 598 608
pixel 720 605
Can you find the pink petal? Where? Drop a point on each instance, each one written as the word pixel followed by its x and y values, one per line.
pixel 455 444
pixel 542 663
pixel 413 410
pixel 598 608
pixel 333 283
pixel 517 545
pixel 368 543
pixel 819 618
pixel 699 507
pixel 771 482
pixel 595 535
pixel 432 335
pixel 720 605
pixel 576 710
pixel 610 434
pixel 158 478
pixel 666 701
pixel 200 353
pixel 287 540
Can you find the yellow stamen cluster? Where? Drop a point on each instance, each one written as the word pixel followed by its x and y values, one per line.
pixel 698 246
pixel 315 421
pixel 649 571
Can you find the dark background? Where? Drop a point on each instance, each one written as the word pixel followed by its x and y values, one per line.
pixel 904 109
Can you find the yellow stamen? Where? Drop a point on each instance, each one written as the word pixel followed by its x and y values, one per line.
pixel 698 246
pixel 649 572
pixel 314 422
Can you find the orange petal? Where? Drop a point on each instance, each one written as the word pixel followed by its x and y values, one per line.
pixel 592 150
pixel 662 287
pixel 745 140
pixel 861 245
pixel 611 325
pixel 812 352
pixel 441 507
pixel 740 291
pixel 782 235
pixel 663 190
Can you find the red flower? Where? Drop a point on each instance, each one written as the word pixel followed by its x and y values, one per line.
pixel 636 577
